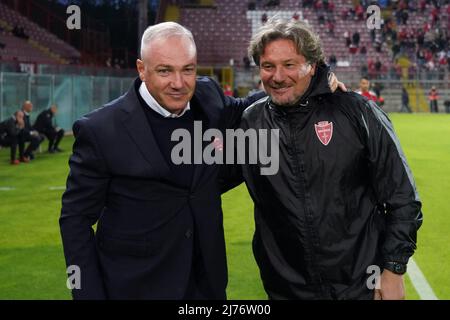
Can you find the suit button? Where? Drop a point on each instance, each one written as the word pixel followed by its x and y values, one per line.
pixel 188 233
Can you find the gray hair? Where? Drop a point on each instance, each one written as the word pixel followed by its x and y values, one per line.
pixel 164 30
pixel 306 41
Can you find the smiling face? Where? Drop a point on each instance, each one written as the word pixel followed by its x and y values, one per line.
pixel 168 68
pixel 285 73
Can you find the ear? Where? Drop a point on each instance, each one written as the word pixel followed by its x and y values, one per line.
pixel 140 66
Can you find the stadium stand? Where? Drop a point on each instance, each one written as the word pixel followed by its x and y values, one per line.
pixel 222 30
pixel 39 46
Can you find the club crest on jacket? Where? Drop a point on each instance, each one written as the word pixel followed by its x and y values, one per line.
pixel 324 131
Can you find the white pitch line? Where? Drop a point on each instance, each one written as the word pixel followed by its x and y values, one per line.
pixel 419 282
pixel 57 188
pixel 7 188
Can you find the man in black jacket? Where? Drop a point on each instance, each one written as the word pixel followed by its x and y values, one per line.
pixel 9 134
pixel 343 204
pixel 44 125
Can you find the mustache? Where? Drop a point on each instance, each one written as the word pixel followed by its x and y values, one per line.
pixel 181 91
pixel 280 85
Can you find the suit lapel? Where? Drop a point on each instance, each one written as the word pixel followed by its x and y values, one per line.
pixel 201 114
pixel 138 129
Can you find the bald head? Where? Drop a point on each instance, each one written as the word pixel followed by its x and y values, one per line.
pixel 163 31
pixel 27 106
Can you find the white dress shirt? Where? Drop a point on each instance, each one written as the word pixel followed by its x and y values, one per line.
pixel 152 103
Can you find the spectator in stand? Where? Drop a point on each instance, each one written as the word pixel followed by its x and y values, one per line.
pixel 318 5
pixel 442 59
pixel 44 125
pixel 377 45
pixel 331 6
pixel 330 27
pixel 434 16
pixel 9 134
pixel 227 90
pixel 307 3
pixel 359 12
pixel 348 41
pixel 362 54
pixel 235 92
pixel 448 60
pixel 404 16
pixel 422 5
pixel 421 58
pixel 395 50
pixel 345 14
pixel 372 35
pixel 264 18
pixel 352 50
pixel 321 19
pixel 246 61
pixel 19 32
pixel 364 85
pixel 433 98
pixel 356 38
pixel 378 65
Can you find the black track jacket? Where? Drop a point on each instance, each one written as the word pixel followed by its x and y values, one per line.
pixel 343 199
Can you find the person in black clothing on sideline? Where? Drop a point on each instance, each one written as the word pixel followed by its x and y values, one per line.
pixel 9 134
pixel 27 134
pixel 44 125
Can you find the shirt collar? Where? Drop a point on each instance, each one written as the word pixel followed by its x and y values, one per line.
pixel 155 106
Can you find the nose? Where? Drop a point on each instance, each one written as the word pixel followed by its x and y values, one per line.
pixel 278 75
pixel 177 81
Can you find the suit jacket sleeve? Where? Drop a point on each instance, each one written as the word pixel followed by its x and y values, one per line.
pixel 394 185
pixel 234 107
pixel 230 174
pixel 82 204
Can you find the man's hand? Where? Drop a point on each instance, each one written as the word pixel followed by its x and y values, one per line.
pixel 392 287
pixel 334 83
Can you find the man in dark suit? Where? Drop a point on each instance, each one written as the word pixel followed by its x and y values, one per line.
pixel 44 125
pixel 159 232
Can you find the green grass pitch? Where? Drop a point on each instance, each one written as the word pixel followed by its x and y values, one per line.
pixel 31 258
